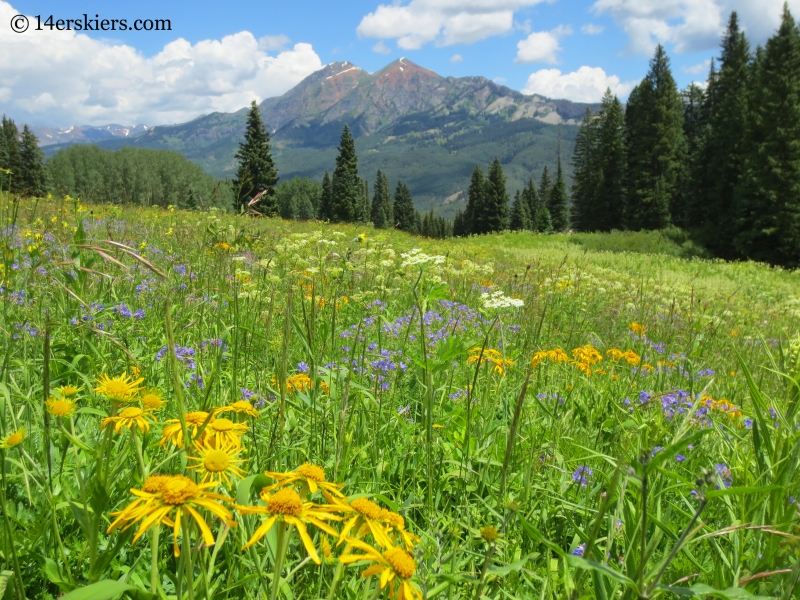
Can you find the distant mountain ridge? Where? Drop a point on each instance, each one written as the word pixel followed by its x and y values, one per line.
pixel 419 118
pixel 87 133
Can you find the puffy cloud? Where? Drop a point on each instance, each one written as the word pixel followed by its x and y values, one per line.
pixel 541 46
pixel 690 25
pixel 63 78
pixel 456 58
pixel 587 84
pixel 381 48
pixel 592 29
pixel 444 22
pixel 702 67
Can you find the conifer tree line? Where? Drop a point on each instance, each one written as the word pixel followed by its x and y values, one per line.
pixel 544 208
pixel 21 161
pixel 722 163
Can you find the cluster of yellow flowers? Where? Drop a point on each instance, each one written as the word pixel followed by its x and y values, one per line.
pixel 495 357
pixel 584 358
pixel 370 533
pixel 300 382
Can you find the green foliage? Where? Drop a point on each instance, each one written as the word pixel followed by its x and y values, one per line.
pixel 256 174
pixel 13 160
pixel 475 201
pixel 520 219
pixel 133 176
pixel 720 158
pixel 326 199
pixel 32 162
pixel 404 213
pixel 557 203
pixel 544 222
pixel 347 191
pixel 768 198
pixel 671 241
pixel 298 198
pixel 492 215
pixel 382 205
pixel 656 147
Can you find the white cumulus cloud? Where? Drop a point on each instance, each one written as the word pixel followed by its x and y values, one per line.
pixel 65 78
pixel 456 58
pixel 444 22
pixel 587 84
pixel 381 48
pixel 691 25
pixel 541 46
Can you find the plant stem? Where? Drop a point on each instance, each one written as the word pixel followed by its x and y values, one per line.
pixel 280 554
pixel 154 559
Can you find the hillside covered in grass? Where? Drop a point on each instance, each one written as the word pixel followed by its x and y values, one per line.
pixel 197 405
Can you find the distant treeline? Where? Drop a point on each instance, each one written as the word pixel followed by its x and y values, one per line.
pixel 722 163
pixel 135 176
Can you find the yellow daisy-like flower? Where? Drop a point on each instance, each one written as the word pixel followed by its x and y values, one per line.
pixel 310 477
pixel 13 439
pixel 585 367
pixel 173 432
pixel 558 356
pixel 299 382
pixel 223 432
pixel 587 354
pixel 66 391
pixel 241 406
pixel 60 408
pixel 130 417
pixel 170 497
pixel 397 523
pixel 153 400
pixel 638 329
pixel 285 505
pixel 367 517
pixel 632 358
pixel 120 389
pixel 395 566
pixel 216 464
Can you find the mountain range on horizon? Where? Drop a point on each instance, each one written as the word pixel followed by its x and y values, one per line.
pixel 415 125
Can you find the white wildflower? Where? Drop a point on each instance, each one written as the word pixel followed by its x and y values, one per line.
pixel 499 300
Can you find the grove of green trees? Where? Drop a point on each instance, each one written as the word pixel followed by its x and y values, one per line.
pixel 722 163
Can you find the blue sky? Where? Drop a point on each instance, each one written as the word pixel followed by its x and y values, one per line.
pixel 218 56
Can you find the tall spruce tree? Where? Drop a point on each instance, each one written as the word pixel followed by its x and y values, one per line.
pixel 347 188
pixel 520 219
pixel 613 163
pixel 405 215
pixel 326 200
pixel 544 223
pixel 531 196
pixel 14 160
pixel 720 159
pixel 768 199
pixel 382 209
pixel 656 147
pixel 256 172
pixel 32 159
pixel 544 187
pixel 5 179
pixel 694 128
pixel 473 215
pixel 557 201
pixel 494 213
pixel 459 229
pixel 585 170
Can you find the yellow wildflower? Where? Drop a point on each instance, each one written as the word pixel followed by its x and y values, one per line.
pixel 120 389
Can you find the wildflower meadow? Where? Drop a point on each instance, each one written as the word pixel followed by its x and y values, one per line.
pixel 195 405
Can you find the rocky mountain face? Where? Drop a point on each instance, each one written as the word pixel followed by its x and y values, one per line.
pixel 415 125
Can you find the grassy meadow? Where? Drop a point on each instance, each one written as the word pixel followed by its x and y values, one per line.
pixel 195 406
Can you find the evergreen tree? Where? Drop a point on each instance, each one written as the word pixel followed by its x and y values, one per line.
pixel 325 210
pixel 494 213
pixel 543 222
pixel 585 169
pixel 694 125
pixel 14 160
pixel 417 222
pixel 32 158
pixel 191 199
pixel 720 161
pixel 544 188
pixel 557 201
pixel 347 188
pixel 382 209
pixel 520 215
pixel 768 199
pixel 531 196
pixel 256 172
pixel 475 200
pixel 297 198
pixel 4 178
pixel 612 162
pixel 404 213
pixel 656 147
pixel 459 228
